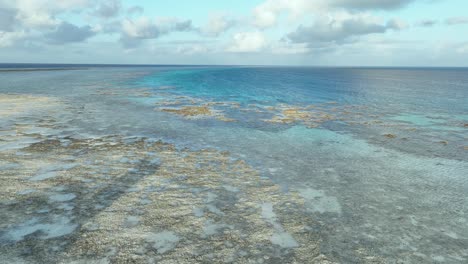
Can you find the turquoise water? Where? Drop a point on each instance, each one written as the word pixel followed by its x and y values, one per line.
pixel 378 156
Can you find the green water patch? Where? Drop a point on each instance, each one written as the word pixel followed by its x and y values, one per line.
pixel 418 120
pixel 436 122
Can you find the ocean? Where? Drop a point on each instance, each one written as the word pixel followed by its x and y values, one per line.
pixel 233 164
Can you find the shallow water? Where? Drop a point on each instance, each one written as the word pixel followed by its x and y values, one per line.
pixel 270 165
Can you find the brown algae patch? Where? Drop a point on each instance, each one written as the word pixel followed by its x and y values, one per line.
pixel 308 116
pixel 193 108
pixel 190 111
pixel 391 136
pixel 198 112
pixel 292 115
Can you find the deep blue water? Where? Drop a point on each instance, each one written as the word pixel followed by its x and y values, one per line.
pixel 382 143
pixel 415 89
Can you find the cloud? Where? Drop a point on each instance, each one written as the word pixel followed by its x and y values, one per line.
pixel 267 14
pixel 26 19
pixel 462 48
pixel 427 23
pixel 7 19
pixel 69 33
pixel 456 20
pixel 9 38
pixel 108 8
pixel 109 27
pixel 135 10
pixel 370 4
pixel 142 28
pixel 245 42
pixel 341 29
pixel 133 31
pixel 217 25
pixel 128 42
pixel 180 26
pixel 42 13
pixel 335 30
pixel 145 28
pixel 396 24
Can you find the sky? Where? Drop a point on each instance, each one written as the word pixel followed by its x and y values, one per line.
pixel 240 32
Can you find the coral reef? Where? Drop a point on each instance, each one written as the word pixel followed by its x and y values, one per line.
pixel 131 199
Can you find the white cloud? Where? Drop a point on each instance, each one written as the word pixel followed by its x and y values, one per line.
pixel 7 19
pixel 134 31
pixel 146 28
pixel 68 33
pixel 135 10
pixel 462 48
pixel 340 28
pixel 169 24
pixel 41 13
pixel 456 20
pixel 9 38
pixel 108 8
pixel 370 4
pixel 267 14
pixel 332 29
pixel 217 25
pixel 396 24
pixel 142 27
pixel 247 42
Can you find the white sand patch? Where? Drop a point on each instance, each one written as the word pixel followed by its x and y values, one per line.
pixel 62 197
pixel 210 228
pixel 59 226
pixel 318 201
pixel 280 238
pixel 163 241
pixel 51 171
pixel 284 240
pixel 131 221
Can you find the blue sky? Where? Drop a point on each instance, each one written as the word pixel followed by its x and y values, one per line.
pixel 271 32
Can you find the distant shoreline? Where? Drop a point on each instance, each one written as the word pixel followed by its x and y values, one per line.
pixel 39 69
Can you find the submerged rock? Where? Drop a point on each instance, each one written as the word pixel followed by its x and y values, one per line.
pixel 389 135
pixel 190 111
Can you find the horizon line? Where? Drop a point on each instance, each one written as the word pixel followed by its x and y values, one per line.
pixel 220 65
